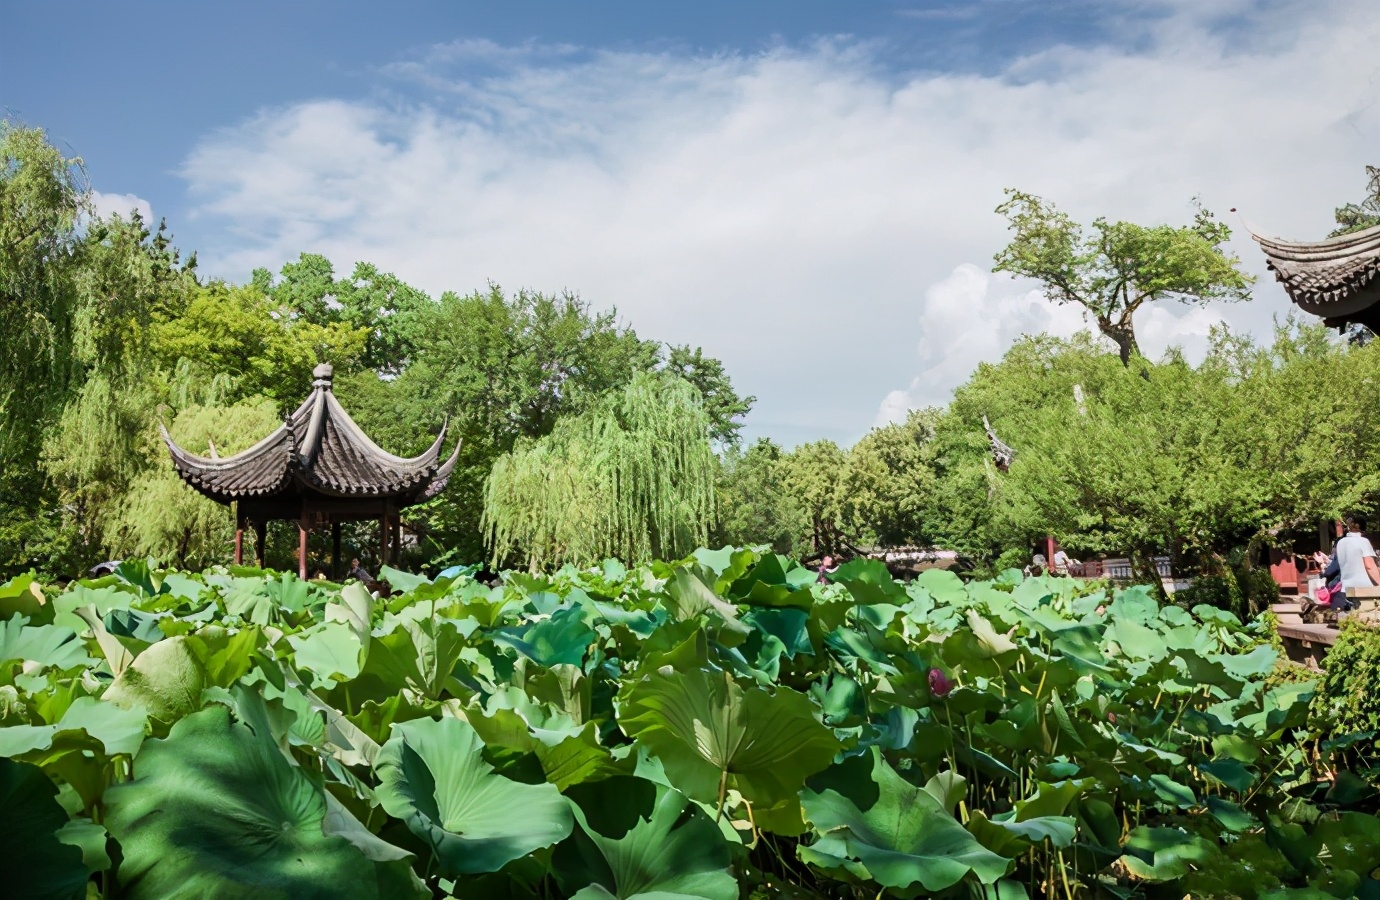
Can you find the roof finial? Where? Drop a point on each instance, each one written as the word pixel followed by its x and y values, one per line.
pixel 322 374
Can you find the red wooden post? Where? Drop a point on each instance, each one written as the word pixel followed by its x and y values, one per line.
pixel 239 544
pixel 1049 549
pixel 302 549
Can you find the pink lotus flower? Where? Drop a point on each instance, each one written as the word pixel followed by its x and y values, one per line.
pixel 940 685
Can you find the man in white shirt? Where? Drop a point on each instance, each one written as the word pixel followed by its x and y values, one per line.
pixel 1356 558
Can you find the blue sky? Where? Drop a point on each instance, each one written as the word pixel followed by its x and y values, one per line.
pixel 804 188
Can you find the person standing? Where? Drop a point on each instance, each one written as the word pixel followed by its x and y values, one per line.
pixel 1355 557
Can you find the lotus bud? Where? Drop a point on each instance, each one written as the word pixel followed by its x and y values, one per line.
pixel 940 685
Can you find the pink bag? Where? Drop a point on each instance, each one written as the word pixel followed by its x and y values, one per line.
pixel 1324 596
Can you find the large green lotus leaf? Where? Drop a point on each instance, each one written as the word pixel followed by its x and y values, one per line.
pixel 433 777
pixel 166 681
pixel 899 833
pixel 354 609
pixel 1163 854
pixel 330 653
pixel 1011 838
pixel 569 753
pixel 88 723
pixel 217 811
pixel 990 641
pixel 37 863
pixel 944 586
pixel 561 639
pixel 869 582
pixel 420 656
pixel 399 580
pixel 687 596
pixel 50 646
pixel 788 626
pixel 710 734
pixel 640 839
pixel 1247 666
pixel 102 600
pixel 226 656
pixel 249 598
pixel 1137 641
pixel 24 596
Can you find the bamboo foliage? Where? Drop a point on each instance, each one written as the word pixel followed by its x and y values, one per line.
pixel 632 477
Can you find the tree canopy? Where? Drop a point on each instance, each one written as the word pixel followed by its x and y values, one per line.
pixel 1119 266
pixel 632 477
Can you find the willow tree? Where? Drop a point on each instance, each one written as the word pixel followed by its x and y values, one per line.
pixel 632 477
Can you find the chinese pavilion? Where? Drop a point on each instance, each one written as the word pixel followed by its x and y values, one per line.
pixel 317 468
pixel 1334 278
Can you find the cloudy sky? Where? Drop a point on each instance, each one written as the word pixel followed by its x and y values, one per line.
pixel 803 188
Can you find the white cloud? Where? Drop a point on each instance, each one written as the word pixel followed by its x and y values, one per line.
pixel 793 210
pixel 120 204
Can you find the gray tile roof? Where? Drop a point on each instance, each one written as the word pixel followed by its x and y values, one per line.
pixel 317 450
pixel 1325 272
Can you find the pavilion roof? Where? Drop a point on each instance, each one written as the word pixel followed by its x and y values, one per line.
pixel 318 450
pixel 1334 278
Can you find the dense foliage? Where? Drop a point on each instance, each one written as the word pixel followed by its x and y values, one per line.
pixel 722 726
pixel 1208 464
pixel 111 331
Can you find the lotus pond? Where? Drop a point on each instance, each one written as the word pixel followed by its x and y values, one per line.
pixel 718 727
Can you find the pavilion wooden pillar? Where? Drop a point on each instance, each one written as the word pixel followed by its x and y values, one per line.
pixel 383 540
pixel 261 541
pixel 395 530
pixel 335 550
pixel 239 542
pixel 302 548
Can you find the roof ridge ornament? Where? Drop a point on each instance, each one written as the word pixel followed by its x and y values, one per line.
pixel 322 376
pixel 1002 454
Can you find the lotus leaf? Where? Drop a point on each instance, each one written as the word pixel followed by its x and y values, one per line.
pixel 637 839
pixel 37 863
pixel 433 777
pixel 892 831
pixel 217 811
pixel 712 734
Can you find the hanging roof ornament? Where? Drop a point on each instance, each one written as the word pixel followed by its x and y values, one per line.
pixel 1002 454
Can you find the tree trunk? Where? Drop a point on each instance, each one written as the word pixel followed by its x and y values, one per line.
pixel 1123 334
pixel 1143 570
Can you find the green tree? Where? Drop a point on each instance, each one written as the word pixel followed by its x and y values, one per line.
pixel 721 402
pixel 243 333
pixel 42 195
pixel 755 504
pixel 814 475
pixel 1366 214
pixel 501 368
pixel 160 516
pixel 130 279
pixel 1120 266
pixel 631 477
pixel 888 482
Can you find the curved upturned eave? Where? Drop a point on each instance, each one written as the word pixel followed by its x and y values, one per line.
pixel 1332 277
pixel 442 476
pixel 209 475
pixel 357 437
